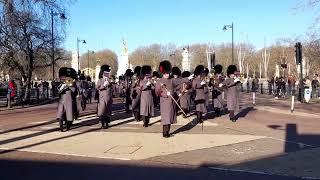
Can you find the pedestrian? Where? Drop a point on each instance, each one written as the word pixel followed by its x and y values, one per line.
pixel 67 91
pixel 165 88
pixel 231 86
pixel 136 93
pixel 105 88
pixel 198 85
pixel 146 86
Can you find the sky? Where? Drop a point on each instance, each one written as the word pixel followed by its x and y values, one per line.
pixel 104 23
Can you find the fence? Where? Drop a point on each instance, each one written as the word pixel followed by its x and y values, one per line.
pixel 272 89
pixel 36 95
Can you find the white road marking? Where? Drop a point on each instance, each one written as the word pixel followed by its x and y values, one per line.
pixel 47 127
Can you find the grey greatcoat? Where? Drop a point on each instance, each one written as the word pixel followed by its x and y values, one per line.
pixel 146 104
pixel 206 94
pixel 82 92
pixel 232 93
pixel 185 99
pixel 66 105
pixel 135 96
pixel 105 98
pixel 167 106
pixel 217 92
pixel 199 95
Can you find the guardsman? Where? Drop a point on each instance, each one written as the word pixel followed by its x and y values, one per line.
pixel 83 92
pixel 217 98
pixel 90 88
pixel 127 86
pixel 165 88
pixel 185 94
pixel 156 99
pixel 68 92
pixel 105 88
pixel 146 86
pixel 231 85
pixel 198 85
pixel 136 93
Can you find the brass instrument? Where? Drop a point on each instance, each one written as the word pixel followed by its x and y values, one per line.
pixel 68 82
pixel 135 79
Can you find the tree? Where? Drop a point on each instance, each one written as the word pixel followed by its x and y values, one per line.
pixel 25 35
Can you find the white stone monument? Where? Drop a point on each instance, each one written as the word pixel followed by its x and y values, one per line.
pixel 74 61
pixel 185 60
pixel 97 71
pixel 123 63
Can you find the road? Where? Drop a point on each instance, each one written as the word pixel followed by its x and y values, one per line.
pixel 267 142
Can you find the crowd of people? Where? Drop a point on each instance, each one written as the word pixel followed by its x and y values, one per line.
pixel 144 90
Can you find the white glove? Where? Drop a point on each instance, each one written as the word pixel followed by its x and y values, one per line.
pixel 148 83
pixel 168 93
pixel 106 83
pixel 203 83
pixel 220 85
pixel 191 77
pixel 180 95
pixel 236 80
pixel 62 87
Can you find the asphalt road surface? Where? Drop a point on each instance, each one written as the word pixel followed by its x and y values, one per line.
pixel 267 142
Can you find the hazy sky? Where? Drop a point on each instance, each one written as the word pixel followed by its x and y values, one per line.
pixel 103 23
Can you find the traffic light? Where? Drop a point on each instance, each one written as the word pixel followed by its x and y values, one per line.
pixel 298 53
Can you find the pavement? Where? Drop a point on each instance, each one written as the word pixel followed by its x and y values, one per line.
pixel 267 142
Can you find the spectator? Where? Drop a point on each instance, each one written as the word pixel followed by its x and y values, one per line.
pixel 11 93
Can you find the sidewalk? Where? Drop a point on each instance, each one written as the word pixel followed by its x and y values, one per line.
pixel 284 105
pixel 14 107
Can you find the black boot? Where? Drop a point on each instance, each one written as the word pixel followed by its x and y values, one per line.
pixel 106 122
pixel 69 123
pixel 199 117
pixel 217 112
pixel 102 122
pixel 145 121
pixel 61 124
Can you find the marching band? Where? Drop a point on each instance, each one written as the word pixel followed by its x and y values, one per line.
pixel 144 90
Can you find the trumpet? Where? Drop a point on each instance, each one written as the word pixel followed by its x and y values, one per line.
pixel 68 82
pixel 153 80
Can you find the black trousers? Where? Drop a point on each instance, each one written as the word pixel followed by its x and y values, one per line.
pixel 146 120
pixel 137 116
pixel 217 112
pixel 166 130
pixel 199 117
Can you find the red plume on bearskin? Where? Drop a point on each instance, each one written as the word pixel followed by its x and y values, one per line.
pixel 165 67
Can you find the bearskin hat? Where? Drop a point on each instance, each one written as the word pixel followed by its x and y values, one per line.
pixel 231 69
pixel 206 70
pixel 218 69
pixel 104 68
pixel 88 78
pixel 185 74
pixel 165 67
pixel 155 74
pixel 200 69
pixel 176 71
pixel 82 77
pixel 128 73
pixel 137 70
pixel 68 72
pixel 146 70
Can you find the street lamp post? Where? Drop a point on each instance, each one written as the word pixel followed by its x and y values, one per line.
pixel 225 27
pixel 62 16
pixel 78 41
